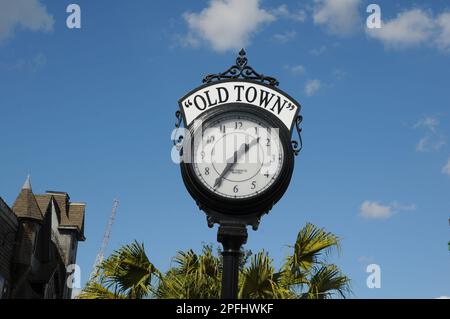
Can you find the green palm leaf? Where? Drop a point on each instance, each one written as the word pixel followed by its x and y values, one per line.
pixel 327 281
pixel 95 290
pixel 312 244
pixel 194 276
pixel 260 281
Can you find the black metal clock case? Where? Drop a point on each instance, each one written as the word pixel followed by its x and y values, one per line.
pixel 220 209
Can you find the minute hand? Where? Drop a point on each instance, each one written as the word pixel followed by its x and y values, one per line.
pixel 233 160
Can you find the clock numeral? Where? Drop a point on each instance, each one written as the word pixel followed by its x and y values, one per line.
pixel 253 185
pixel 210 139
pixel 256 130
pixel 237 125
pixel 267 174
pixel 222 129
pixel 268 142
pixel 202 154
pixel 206 170
pixel 235 189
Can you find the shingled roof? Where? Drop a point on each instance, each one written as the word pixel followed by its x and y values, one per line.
pixel 26 205
pixel 43 202
pixel 71 215
pixel 76 216
pixel 62 201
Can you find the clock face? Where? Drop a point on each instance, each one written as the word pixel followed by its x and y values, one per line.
pixel 237 155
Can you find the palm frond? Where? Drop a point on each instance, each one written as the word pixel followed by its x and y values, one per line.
pixel 95 290
pixel 260 280
pixel 129 270
pixel 326 282
pixel 312 245
pixel 194 276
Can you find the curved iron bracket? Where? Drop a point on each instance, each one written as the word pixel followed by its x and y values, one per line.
pixel 241 70
pixel 178 142
pixel 298 145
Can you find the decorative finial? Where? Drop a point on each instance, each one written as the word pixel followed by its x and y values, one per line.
pixel 27 184
pixel 241 70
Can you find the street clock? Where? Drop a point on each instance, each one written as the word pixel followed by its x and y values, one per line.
pixel 237 156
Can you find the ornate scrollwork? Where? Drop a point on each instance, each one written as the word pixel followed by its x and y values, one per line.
pixel 178 139
pixel 297 146
pixel 241 70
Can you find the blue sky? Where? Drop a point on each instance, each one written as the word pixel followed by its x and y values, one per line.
pixel 90 111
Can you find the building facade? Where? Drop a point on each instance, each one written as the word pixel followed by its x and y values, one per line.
pixel 39 238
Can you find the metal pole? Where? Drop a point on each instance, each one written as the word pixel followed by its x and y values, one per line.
pixel 232 237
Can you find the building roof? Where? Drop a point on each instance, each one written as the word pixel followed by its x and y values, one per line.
pixel 76 215
pixel 26 205
pixel 8 214
pixel 62 201
pixel 27 184
pixel 70 215
pixel 43 203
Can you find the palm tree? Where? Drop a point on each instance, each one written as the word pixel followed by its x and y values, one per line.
pixel 128 273
pixel 194 276
pixel 306 272
pixel 260 281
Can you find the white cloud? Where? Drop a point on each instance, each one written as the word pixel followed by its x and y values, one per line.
pixel 27 14
pixel 432 140
pixel 422 145
pixel 402 207
pixel 283 12
pixel 446 168
pixel 187 40
pixel 339 17
pixel 31 64
pixel 312 86
pixel 415 27
pixel 318 51
pixel 430 143
pixel 409 28
pixel 339 74
pixel 443 297
pixel 285 36
pixel 297 69
pixel 228 24
pixel 443 37
pixel 429 122
pixel 376 210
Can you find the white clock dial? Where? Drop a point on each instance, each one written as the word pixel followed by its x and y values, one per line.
pixel 237 155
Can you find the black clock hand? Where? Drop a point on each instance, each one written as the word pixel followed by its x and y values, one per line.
pixel 230 164
pixel 237 154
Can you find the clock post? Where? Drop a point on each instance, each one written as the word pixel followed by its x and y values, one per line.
pixel 232 237
pixel 238 162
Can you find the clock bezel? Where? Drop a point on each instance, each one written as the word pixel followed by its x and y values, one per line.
pixel 210 201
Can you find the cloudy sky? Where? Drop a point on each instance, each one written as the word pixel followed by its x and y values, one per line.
pixel 90 111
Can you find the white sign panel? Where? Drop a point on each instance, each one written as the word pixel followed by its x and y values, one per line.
pixel 221 93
